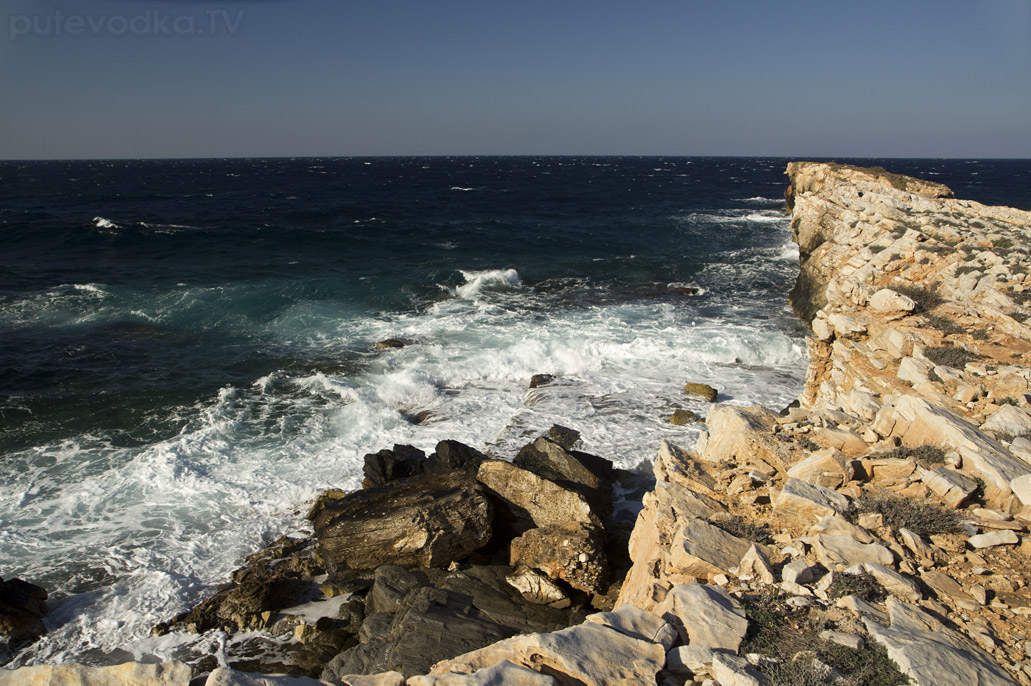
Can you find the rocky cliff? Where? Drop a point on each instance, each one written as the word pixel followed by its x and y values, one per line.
pixel 877 533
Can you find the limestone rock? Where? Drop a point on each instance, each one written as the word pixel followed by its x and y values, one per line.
pixel 637 623
pixel 1008 419
pixel 930 653
pixel 1021 487
pixel 841 552
pixel 689 660
pixel 128 674
pixel 222 676
pixel 678 466
pixel 701 390
pixel 587 474
pixel 809 501
pixel 944 586
pixel 503 673
pixel 537 587
pixel 994 538
pixel 894 583
pixel 701 550
pixel 827 468
pixel 570 552
pixel 890 304
pixel 427 521
pixel 798 572
pixel 524 500
pixel 731 670
pixel 742 435
pixel 705 615
pixel 949 485
pixel 925 424
pixel 756 563
pixel 836 526
pixel 588 654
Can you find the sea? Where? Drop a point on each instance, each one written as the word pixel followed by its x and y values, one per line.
pixel 188 348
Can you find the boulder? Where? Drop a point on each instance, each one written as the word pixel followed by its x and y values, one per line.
pixel 563 435
pixel 426 521
pixel 705 615
pixel 701 390
pixel 439 616
pixel 537 588
pixel 701 550
pixel 569 552
pixel 587 474
pixel 808 501
pixel 951 486
pixel 836 526
pixel 538 380
pixel 128 674
pixel 731 670
pixel 828 468
pixel 894 583
pixel 523 500
pixel 677 465
pixel 890 304
pixel 841 552
pixel 689 660
pixel 917 422
pixel 682 417
pixel 390 343
pixel 1008 419
pixel 449 455
pixel 744 436
pixel 637 623
pixel 930 653
pixel 503 673
pixel 993 538
pixel 389 465
pixel 588 654
pixel 22 606
pixel 756 564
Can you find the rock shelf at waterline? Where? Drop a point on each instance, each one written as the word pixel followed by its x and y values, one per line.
pixel 875 533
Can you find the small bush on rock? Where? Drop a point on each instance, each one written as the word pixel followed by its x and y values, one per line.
pixel 921 518
pixel 863 585
pixel 743 528
pixel 950 356
pixel 925 298
pixel 925 455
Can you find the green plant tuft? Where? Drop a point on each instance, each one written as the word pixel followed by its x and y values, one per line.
pixel 743 528
pixel 925 298
pixel 862 585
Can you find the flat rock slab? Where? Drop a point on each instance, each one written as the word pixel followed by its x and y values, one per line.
pixel 128 674
pixel 588 654
pixel 932 654
pixel 637 623
pixel 504 673
pixel 841 552
pixel 702 550
pixel 809 501
pixel 426 521
pixel 705 615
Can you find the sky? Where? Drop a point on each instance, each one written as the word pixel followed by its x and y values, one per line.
pixel 791 78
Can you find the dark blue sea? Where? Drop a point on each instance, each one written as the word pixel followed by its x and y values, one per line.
pixel 188 348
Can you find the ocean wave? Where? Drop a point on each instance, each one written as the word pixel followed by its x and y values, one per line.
pixel 477 281
pixel 759 200
pixel 102 223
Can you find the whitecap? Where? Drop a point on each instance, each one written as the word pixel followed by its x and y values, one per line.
pixel 102 223
pixel 459 188
pixel 477 281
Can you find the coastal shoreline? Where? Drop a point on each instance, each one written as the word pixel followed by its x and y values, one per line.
pixel 916 388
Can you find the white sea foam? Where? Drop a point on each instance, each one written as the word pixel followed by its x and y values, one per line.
pixel 759 200
pixel 148 531
pixel 102 223
pixel 477 281
pixel 459 188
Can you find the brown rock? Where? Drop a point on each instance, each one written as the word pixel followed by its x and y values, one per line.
pixel 426 521
pixel 681 417
pixel 701 390
pixel 568 552
pixel 524 500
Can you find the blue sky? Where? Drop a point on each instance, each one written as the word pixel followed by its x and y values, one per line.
pixel 796 78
